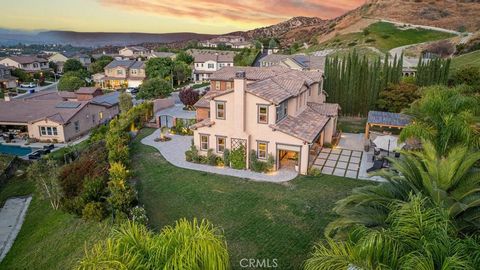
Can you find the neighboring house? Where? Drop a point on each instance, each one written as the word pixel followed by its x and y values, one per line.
pixel 272 111
pixel 236 42
pixel 85 59
pixel 121 74
pixel 27 63
pixel 59 60
pixel 208 61
pixel 54 117
pixel 298 61
pixel 134 52
pixel 6 79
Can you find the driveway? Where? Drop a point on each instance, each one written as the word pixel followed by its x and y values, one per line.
pixel 174 152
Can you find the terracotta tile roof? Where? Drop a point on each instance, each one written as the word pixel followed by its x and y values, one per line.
pixel 327 109
pixel 204 123
pixel 27 111
pixel 24 59
pixel 87 90
pixel 305 126
pixel 202 56
pixel 204 102
pixel 251 73
pixel 284 86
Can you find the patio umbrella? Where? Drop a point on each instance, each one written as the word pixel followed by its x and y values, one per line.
pixel 386 142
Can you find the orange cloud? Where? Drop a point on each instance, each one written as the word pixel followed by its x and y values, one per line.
pixel 246 11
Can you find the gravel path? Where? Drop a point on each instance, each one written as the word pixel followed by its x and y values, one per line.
pixel 12 216
pixel 174 152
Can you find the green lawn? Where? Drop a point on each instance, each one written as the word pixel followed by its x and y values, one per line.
pixel 352 124
pixel 48 239
pixel 469 59
pixel 260 220
pixel 384 36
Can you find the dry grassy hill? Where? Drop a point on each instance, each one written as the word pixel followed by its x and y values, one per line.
pixel 449 14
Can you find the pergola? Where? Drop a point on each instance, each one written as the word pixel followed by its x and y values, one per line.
pixel 386 119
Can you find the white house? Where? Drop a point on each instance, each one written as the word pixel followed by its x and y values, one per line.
pixel 208 61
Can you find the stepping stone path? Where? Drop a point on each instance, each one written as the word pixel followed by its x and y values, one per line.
pixel 340 162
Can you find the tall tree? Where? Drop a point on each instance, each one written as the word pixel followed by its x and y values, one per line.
pixel 72 65
pixel 184 57
pixel 99 65
pixel 181 72
pixel 431 72
pixel 159 67
pixel 187 245
pixel 125 102
pixel 154 88
pixel 70 83
pixel 44 173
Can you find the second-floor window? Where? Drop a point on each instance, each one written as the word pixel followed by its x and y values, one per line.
pixel 262 114
pixel 211 65
pixel 134 71
pixel 281 111
pixel 217 85
pixel 119 72
pixel 220 109
pixel 77 126
pixel 229 85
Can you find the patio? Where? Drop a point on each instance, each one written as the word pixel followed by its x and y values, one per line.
pixel 339 162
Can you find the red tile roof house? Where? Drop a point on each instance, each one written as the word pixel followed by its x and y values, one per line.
pixel 57 116
pixel 27 63
pixel 274 111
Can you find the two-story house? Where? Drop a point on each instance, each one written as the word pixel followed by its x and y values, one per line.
pixel 278 112
pixel 208 61
pixel 237 42
pixel 134 52
pixel 27 63
pixel 6 79
pixel 121 74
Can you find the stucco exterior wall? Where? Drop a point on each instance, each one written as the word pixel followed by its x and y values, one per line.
pixel 113 72
pixel 202 113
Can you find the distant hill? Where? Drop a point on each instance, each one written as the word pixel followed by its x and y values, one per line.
pixel 93 39
pixel 449 14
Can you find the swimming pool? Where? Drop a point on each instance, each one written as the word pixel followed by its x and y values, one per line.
pixel 15 150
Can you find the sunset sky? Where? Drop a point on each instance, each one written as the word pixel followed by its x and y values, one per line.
pixel 162 16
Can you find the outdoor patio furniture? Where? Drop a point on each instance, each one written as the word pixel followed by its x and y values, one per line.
pixel 397 154
pixel 49 147
pixel 377 165
pixel 376 151
pixel 34 156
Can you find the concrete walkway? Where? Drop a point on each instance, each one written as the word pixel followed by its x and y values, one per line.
pixel 12 216
pixel 174 152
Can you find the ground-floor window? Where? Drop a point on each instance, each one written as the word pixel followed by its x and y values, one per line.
pixel 77 126
pixel 220 144
pixel 262 149
pixel 48 131
pixel 203 142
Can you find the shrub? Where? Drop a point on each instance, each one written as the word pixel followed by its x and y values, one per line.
pixel 226 157
pixel 237 158
pixel 98 134
pixel 261 166
pixel 94 211
pixel 94 189
pixel 73 205
pixel 314 172
pixel 139 214
pixel 122 196
pixel 192 154
pixel 468 75
pixel 189 97
pixel 211 158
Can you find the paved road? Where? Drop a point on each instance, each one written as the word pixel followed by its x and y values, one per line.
pixel 52 86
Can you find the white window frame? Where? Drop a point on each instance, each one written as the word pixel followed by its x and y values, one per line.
pixel 217 111
pixel 265 152
pixel 221 147
pixel 202 142
pixel 260 114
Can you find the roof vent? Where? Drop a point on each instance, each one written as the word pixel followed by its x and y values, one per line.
pixel 240 75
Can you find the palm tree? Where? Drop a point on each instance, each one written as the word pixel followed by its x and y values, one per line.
pixel 418 236
pixel 450 182
pixel 446 117
pixel 187 245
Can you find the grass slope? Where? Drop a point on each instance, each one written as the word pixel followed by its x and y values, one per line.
pixel 48 239
pixel 468 59
pixel 260 220
pixel 384 36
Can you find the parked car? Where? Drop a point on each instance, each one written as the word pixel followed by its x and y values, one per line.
pixel 132 90
pixel 28 85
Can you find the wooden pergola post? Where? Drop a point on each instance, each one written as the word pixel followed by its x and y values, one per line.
pixel 367 131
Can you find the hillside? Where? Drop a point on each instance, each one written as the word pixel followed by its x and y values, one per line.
pixel 449 14
pixel 469 59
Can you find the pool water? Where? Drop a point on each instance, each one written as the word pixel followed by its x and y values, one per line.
pixel 15 150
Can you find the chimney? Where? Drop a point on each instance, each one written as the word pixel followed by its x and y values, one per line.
pixel 239 86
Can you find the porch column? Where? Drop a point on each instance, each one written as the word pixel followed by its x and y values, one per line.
pixel 367 131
